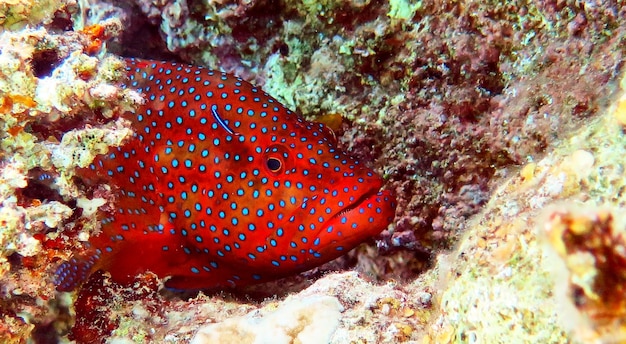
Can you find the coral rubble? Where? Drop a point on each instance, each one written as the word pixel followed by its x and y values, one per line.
pixel 308 320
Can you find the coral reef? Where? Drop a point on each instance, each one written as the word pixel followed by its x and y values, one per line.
pixel 477 84
pixel 446 99
pixel 540 257
pixel 16 14
pixel 58 102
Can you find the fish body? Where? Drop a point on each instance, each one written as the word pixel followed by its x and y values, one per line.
pixel 222 186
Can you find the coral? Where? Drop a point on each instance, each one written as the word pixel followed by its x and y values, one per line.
pixel 57 102
pixel 592 245
pixel 474 109
pixel 337 308
pixel 620 110
pixel 307 320
pixel 16 14
pixel 443 98
pixel 537 262
pixel 402 9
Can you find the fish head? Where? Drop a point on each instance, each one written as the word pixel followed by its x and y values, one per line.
pixel 310 201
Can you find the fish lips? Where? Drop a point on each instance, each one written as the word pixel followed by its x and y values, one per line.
pixel 365 217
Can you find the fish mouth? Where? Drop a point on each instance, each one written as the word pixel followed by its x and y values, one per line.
pixel 366 216
pixel 354 205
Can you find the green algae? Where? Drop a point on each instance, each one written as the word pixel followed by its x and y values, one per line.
pixel 403 9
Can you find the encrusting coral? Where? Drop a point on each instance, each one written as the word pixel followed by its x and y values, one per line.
pixel 56 100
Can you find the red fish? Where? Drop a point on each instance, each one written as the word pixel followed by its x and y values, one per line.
pixel 222 186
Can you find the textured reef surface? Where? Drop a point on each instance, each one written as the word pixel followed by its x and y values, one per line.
pixel 499 126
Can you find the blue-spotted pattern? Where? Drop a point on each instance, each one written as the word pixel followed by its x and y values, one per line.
pixel 222 186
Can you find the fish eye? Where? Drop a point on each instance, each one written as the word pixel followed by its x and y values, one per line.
pixel 274 164
pixel 277 159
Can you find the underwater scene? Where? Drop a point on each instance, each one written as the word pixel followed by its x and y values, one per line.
pixel 297 171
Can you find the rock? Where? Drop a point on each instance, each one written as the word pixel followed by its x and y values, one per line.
pixel 308 320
